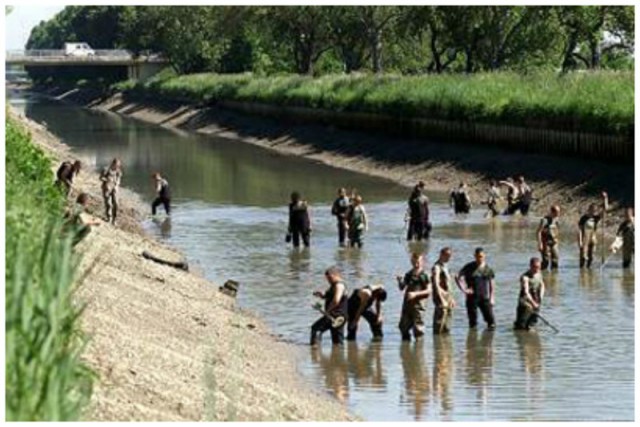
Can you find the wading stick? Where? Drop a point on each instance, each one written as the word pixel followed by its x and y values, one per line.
pixel 546 322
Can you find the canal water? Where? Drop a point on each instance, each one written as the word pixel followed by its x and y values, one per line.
pixel 230 219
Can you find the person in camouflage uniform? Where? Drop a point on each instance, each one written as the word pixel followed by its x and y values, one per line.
pixel 417 287
pixel 530 297
pixel 548 238
pixel 626 233
pixel 111 177
pixel 358 222
pixel 442 298
pixel 587 230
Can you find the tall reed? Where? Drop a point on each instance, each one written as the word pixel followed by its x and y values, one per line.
pixel 45 378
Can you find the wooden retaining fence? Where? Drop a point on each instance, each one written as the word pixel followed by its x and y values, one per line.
pixel 614 148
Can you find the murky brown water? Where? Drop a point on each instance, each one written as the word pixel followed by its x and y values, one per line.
pixel 230 218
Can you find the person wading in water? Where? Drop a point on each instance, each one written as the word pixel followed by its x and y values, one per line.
pixel 340 209
pixel 366 302
pixel 442 298
pixel 358 223
pixel 164 195
pixel 625 233
pixel 299 221
pixel 459 199
pixel 531 296
pixel 417 287
pixel 335 304
pixel 587 230
pixel 493 197
pixel 418 214
pixel 479 287
pixel 548 239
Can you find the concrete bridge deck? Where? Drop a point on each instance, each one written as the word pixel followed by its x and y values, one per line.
pixel 139 67
pixel 50 57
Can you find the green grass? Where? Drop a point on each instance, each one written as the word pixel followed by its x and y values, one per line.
pixel 601 102
pixel 45 380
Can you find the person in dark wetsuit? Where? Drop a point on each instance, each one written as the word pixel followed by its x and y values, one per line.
pixel 587 230
pixel 335 304
pixel 479 288
pixel 366 302
pixel 164 195
pixel 418 214
pixel 340 210
pixel 512 196
pixel 299 220
pixel 525 196
pixel 530 297
pixel 459 199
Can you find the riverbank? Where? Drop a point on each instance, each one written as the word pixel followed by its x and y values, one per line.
pixel 572 183
pixel 164 343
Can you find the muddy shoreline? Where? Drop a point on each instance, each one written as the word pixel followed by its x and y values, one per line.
pixel 570 182
pixel 165 344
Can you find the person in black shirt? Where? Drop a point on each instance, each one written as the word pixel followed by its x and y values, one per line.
pixel 164 196
pixel 366 302
pixel 459 199
pixel 479 280
pixel 340 209
pixel 299 221
pixel 66 173
pixel 335 304
pixel 418 214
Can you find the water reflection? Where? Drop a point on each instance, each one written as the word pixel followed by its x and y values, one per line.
pixel 628 284
pixel 530 349
pixel 334 369
pixel 479 361
pixel 164 225
pixel 417 388
pixel 443 372
pixel 352 262
pixel 299 263
pixel 365 365
pixel 588 279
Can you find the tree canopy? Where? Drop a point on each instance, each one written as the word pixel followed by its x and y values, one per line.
pixel 321 39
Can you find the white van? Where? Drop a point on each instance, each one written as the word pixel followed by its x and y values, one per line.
pixel 78 49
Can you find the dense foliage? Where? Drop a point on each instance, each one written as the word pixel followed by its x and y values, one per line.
pixel 598 102
pixel 331 39
pixel 45 380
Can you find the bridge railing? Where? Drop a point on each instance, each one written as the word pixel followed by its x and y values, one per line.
pixel 60 53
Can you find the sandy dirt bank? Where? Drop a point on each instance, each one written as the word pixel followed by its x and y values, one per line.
pixel 164 343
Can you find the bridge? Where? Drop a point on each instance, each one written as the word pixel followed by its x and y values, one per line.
pixel 139 67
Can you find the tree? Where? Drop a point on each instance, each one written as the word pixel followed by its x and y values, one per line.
pixel 347 36
pixel 375 21
pixel 304 29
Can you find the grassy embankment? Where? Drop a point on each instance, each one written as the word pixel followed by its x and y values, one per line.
pixel 601 102
pixel 45 380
